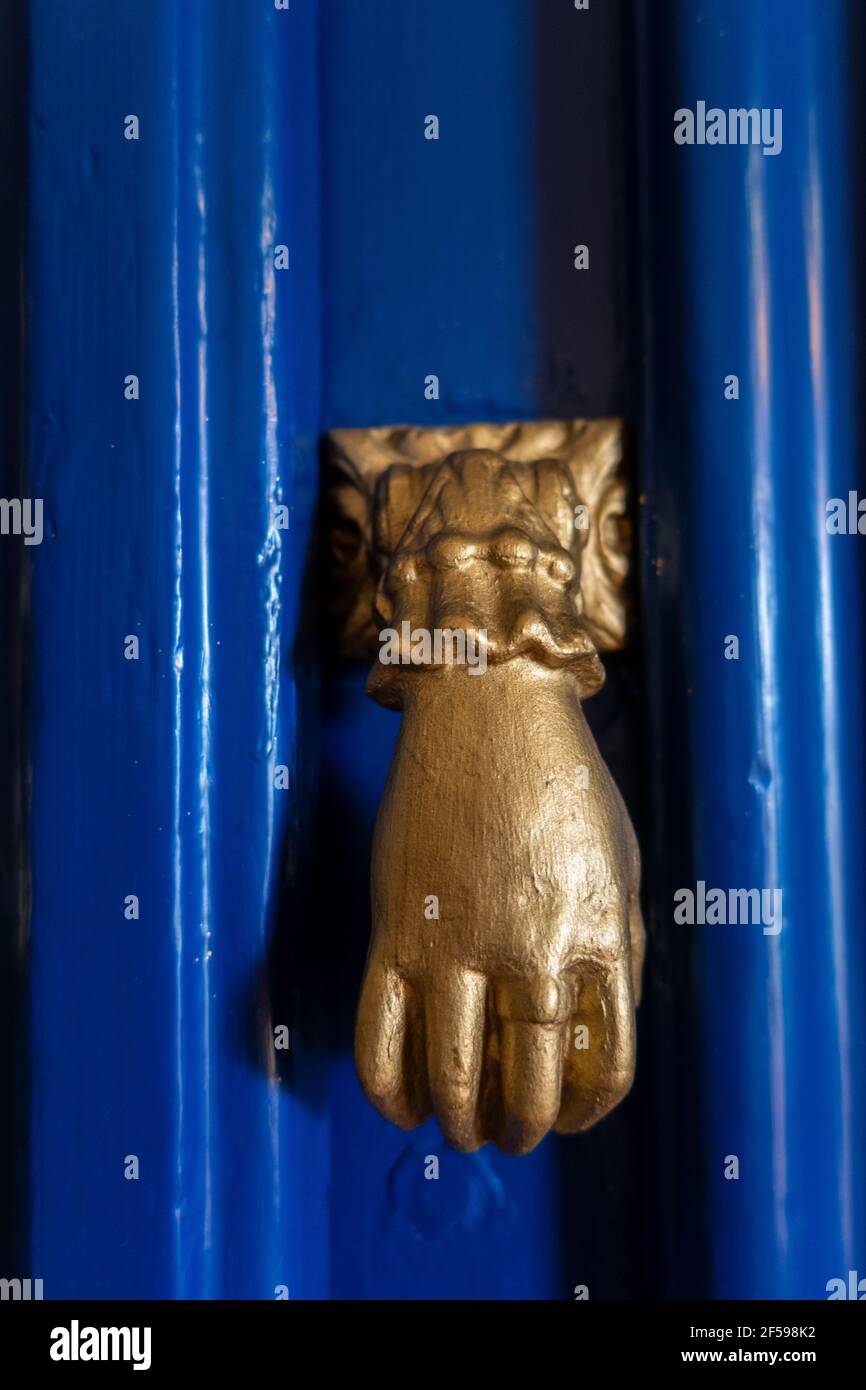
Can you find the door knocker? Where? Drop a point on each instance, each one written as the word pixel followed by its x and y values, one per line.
pixel 482 568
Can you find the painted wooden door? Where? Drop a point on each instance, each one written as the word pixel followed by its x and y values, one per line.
pixel 228 231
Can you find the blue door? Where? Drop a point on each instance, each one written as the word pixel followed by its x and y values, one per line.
pixel 232 227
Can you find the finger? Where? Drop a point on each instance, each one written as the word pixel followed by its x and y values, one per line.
pixel 455 1008
pixel 531 1082
pixel 600 1050
pixel 534 999
pixel 389 1047
pixel 532 1013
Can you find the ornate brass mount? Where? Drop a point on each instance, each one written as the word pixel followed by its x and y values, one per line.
pixel 507 946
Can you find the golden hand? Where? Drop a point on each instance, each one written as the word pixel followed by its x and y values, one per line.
pixel 507 946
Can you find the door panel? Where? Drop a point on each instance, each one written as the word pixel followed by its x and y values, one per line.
pixel 281 252
pixel 455 258
pixel 155 777
pixel 750 268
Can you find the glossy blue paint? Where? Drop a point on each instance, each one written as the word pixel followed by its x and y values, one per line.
pixel 156 777
pixel 455 257
pixel 409 258
pixel 14 1176
pixel 750 268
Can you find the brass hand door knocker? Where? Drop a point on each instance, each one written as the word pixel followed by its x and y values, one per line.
pixel 482 567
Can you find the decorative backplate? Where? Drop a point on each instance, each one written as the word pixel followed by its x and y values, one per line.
pixel 378 478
